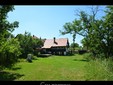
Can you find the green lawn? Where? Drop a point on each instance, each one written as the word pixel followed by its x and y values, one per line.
pixel 62 68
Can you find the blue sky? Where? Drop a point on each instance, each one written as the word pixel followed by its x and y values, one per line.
pixel 45 21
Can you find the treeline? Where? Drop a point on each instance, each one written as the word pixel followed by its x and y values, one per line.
pixel 97 33
pixel 28 44
pixel 12 48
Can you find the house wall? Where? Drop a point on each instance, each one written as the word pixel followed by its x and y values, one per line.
pixel 55 50
pixel 59 50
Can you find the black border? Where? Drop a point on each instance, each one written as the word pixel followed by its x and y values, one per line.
pixel 56 82
pixel 56 2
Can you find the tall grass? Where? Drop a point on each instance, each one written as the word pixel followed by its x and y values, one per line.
pixel 99 69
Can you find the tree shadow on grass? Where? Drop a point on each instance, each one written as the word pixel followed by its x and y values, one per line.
pixel 8 76
pixel 81 60
pixel 15 68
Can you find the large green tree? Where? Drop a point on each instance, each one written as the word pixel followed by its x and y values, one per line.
pixel 108 31
pixel 96 32
pixel 5 25
pixel 9 51
pixel 81 26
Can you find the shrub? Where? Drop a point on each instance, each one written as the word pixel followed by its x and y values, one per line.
pixel 9 52
pixel 99 69
pixel 88 56
pixel 34 57
pixel 21 60
pixel 82 51
pixel 109 64
pixel 44 55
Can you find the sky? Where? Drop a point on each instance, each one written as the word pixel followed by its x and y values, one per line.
pixel 45 21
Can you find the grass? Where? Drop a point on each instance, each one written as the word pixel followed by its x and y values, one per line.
pixel 99 70
pixel 62 68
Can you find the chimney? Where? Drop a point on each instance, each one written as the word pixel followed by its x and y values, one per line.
pixel 54 40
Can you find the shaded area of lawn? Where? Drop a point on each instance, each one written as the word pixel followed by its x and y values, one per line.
pixel 15 68
pixel 8 76
pixel 81 60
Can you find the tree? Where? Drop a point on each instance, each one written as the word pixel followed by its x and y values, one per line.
pixel 9 52
pixel 108 31
pixel 5 26
pixel 101 41
pixel 69 28
pixel 74 45
pixel 83 41
pixel 93 30
pixel 9 47
pixel 28 44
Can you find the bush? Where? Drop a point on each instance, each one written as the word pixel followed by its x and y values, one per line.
pixel 9 52
pixel 109 64
pixel 44 55
pixel 82 51
pixel 99 69
pixel 34 57
pixel 88 56
pixel 21 60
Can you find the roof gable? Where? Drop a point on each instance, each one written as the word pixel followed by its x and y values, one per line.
pixel 58 43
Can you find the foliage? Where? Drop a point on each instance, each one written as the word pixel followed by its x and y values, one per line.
pixel 84 43
pixel 97 33
pixel 88 56
pixel 99 70
pixel 28 44
pixel 5 26
pixel 34 57
pixel 9 76
pixel 69 28
pixel 74 45
pixel 82 51
pixel 9 48
pixel 9 52
pixel 44 55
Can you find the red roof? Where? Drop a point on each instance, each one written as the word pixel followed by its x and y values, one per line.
pixel 58 43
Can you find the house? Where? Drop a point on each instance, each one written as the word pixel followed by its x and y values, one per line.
pixel 38 47
pixel 34 37
pixel 56 46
